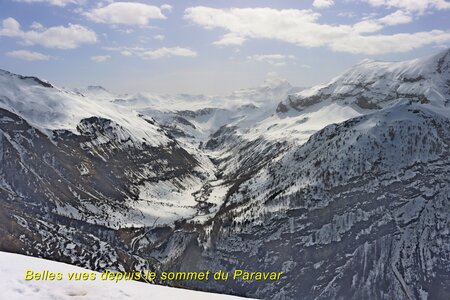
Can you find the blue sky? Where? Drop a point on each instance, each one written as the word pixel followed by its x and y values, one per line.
pixel 211 46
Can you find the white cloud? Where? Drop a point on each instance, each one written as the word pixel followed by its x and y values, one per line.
pixel 412 5
pixel 37 26
pixel 167 7
pixel 277 60
pixel 155 53
pixel 100 58
pixel 369 25
pixel 159 37
pixel 230 39
pixel 398 17
pixel 126 53
pixel 323 3
pixel 27 55
pixel 10 27
pixel 167 52
pixel 60 3
pixel 126 31
pixel 402 42
pixel 301 27
pixel 126 13
pixel 59 37
pixel 347 14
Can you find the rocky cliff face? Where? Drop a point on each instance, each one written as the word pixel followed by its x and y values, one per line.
pixel 342 187
pixel 359 211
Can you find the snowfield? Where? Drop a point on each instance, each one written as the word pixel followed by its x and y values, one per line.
pixel 13 285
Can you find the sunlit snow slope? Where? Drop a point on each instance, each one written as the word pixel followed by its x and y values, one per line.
pixel 13 286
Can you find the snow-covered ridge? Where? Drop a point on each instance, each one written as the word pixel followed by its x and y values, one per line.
pixel 30 79
pixel 375 84
pixel 269 93
pixel 48 108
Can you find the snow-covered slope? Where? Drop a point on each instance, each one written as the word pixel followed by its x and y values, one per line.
pixel 48 107
pixel 360 210
pixel 196 117
pixel 13 286
pixel 374 84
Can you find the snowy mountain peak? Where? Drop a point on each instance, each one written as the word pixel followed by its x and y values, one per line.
pixel 376 84
pixel 366 61
pixel 442 60
pixel 272 90
pixel 96 88
pixel 274 81
pixel 50 108
pixel 96 92
pixel 31 80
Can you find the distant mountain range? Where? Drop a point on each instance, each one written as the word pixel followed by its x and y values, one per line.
pixel 344 187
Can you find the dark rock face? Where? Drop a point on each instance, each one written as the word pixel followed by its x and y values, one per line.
pixel 366 103
pixel 37 80
pixel 34 80
pixel 50 185
pixel 371 223
pixel 282 108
